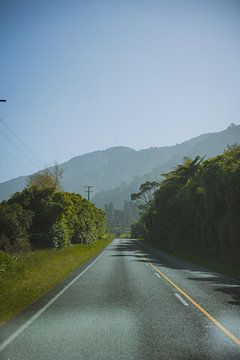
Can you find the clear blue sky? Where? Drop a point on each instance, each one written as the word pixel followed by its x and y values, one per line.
pixel 86 75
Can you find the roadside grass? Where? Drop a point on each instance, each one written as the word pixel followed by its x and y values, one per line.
pixel 215 265
pixel 125 235
pixel 25 277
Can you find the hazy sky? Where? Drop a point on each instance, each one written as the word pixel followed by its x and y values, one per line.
pixel 86 75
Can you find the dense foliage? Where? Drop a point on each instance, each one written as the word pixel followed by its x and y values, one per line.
pixel 15 223
pixel 197 207
pixel 42 216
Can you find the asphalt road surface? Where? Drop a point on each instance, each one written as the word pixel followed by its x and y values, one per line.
pixel 131 303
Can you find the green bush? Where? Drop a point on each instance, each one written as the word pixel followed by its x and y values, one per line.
pixel 197 207
pixel 60 234
pixel 49 218
pixel 14 225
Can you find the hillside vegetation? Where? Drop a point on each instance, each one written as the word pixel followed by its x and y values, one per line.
pixel 207 145
pixel 197 208
pixel 118 171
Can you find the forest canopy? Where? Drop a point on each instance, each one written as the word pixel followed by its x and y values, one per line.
pixel 197 207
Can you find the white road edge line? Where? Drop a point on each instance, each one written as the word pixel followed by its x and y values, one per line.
pixel 158 275
pixel 45 307
pixel 181 299
pixel 147 264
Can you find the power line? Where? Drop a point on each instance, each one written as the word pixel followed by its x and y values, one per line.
pixel 16 146
pixel 18 138
pixel 23 144
pixel 4 150
pixel 13 157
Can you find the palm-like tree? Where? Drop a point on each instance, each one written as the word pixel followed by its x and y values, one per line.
pixel 180 175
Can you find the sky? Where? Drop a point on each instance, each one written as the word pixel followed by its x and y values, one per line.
pixel 81 76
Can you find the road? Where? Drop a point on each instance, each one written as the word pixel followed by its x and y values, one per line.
pixel 131 303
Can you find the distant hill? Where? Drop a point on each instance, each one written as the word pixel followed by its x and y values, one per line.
pixel 9 187
pixel 204 145
pixel 118 171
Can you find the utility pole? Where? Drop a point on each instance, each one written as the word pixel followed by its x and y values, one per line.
pixel 89 191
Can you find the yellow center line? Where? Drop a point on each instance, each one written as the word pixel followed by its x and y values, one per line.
pixel 199 307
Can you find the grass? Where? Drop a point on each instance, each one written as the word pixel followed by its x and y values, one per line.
pixel 215 265
pixel 25 277
pixel 125 235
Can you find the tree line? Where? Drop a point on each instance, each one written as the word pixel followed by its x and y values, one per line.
pixel 43 216
pixel 196 207
pixel 119 220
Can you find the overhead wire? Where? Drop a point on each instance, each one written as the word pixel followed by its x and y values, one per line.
pixel 16 146
pixel 22 143
pixel 13 157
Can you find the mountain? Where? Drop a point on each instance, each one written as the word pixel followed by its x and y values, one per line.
pixel 104 169
pixel 118 171
pixel 207 145
pixel 9 187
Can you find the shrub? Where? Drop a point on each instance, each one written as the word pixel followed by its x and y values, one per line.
pixel 60 234
pixel 14 225
pixel 197 207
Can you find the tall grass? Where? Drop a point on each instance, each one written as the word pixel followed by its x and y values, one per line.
pixel 27 276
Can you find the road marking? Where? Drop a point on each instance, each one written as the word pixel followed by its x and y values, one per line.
pixel 158 275
pixel 225 331
pixel 45 307
pixel 181 299
pixel 147 264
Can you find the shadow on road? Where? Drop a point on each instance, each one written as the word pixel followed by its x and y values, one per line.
pixel 144 253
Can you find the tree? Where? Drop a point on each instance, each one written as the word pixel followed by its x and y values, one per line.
pixel 146 193
pixel 42 180
pixel 60 218
pixel 197 208
pixel 57 173
pixel 109 211
pixel 47 178
pixel 14 225
pixel 183 172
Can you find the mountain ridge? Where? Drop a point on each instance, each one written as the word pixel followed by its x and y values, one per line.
pixel 109 168
pixel 202 147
